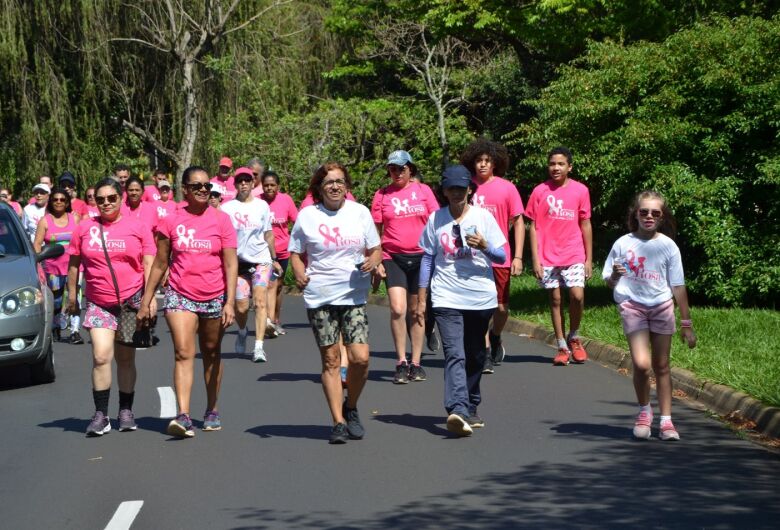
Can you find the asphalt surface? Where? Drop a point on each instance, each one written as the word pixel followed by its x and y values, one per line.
pixel 556 451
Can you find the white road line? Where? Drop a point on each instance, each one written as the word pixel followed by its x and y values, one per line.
pixel 167 402
pixel 125 515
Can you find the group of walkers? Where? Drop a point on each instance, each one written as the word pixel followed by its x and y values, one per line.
pixel 446 255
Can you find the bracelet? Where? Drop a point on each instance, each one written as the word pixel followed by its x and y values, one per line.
pixel 518 257
pixel 686 324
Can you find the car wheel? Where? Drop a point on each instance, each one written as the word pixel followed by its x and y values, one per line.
pixel 43 371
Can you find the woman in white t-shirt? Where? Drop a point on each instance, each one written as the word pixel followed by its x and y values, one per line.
pixel 644 268
pixel 460 242
pixel 342 247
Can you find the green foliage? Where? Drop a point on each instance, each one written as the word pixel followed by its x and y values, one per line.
pixel 696 117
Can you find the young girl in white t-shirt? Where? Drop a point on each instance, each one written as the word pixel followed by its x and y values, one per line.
pixel 644 269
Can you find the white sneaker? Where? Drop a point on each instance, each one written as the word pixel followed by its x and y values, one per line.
pixel 270 329
pixel 259 355
pixel 241 342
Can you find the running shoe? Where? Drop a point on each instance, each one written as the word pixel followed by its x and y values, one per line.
pixel 668 432
pixel 240 346
pixel 270 329
pixel 279 328
pixel 642 425
pixel 487 368
pixel 432 340
pixel 562 357
pixel 126 420
pixel 401 373
pixel 458 424
pixel 181 426
pixel 339 434
pixel 343 372
pixel 475 421
pixel 99 425
pixel 211 421
pixel 354 427
pixel 578 353
pixel 75 338
pixel 497 350
pixel 416 373
pixel 259 355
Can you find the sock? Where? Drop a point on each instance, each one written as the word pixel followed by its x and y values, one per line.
pixel 75 323
pixel 126 400
pixel 665 419
pixel 573 334
pixel 258 343
pixel 562 344
pixel 646 408
pixel 100 397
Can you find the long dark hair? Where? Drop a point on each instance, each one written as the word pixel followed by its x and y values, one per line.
pixel 319 175
pixel 60 191
pixel 668 224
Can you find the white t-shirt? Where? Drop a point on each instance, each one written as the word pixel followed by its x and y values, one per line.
pixel 334 243
pixel 251 220
pixel 31 214
pixel 462 276
pixel 654 267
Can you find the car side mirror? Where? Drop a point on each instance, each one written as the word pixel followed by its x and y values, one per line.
pixel 49 252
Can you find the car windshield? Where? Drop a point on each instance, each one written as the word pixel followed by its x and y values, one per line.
pixel 10 244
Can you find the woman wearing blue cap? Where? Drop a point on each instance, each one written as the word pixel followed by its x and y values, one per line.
pixel 460 242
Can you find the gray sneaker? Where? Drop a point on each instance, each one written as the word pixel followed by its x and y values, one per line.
pixel 487 368
pixel 240 346
pixel 475 421
pixel 401 374
pixel 354 427
pixel 416 373
pixel 339 434
pixel 99 425
pixel 126 420
pixel 497 350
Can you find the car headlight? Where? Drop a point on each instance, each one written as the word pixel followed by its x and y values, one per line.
pixel 24 297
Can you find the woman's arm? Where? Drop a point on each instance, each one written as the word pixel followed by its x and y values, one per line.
pixel 230 263
pixel 680 294
pixel 40 233
pixel 156 272
pixel 73 278
pixel 299 270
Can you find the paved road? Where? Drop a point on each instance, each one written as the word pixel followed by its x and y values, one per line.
pixel 556 451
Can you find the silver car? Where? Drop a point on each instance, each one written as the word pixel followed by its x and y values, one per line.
pixel 25 301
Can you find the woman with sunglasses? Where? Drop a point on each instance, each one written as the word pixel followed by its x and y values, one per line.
pixel 199 242
pixel 460 242
pixel 130 249
pixel 400 211
pixel 342 246
pixel 56 227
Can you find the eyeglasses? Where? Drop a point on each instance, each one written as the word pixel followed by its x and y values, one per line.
pixel 90 196
pixel 59 199
pixel 334 183
pixel 644 212
pixel 395 168
pixel 197 186
pixel 111 199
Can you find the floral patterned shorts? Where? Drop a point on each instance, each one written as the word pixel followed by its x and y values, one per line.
pixel 261 277
pixel 175 301
pixel 329 321
pixel 100 317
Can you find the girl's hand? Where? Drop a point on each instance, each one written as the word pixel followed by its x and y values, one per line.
pixel 538 270
pixel 688 336
pixel 228 315
pixel 588 269
pixel 618 269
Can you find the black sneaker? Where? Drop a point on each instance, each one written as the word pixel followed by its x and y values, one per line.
pixel 75 338
pixel 497 351
pixel 487 368
pixel 416 373
pixel 354 427
pixel 339 434
pixel 401 373
pixel 458 424
pixel 475 422
pixel 432 340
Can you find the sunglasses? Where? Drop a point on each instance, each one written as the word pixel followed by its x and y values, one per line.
pixel 110 199
pixel 197 186
pixel 456 236
pixel 243 179
pixel 395 168
pixel 215 195
pixel 90 196
pixel 644 212
pixel 59 199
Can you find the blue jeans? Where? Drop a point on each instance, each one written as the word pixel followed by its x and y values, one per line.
pixel 463 340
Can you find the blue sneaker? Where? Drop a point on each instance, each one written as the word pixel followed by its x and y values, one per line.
pixel 181 426
pixel 211 421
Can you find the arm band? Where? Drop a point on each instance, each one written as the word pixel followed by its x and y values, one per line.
pixel 495 254
pixel 426 265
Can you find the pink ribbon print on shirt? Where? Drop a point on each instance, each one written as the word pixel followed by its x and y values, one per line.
pixel 453 248
pixel 112 245
pixel 332 236
pixel 186 239
pixel 636 264
pixel 556 210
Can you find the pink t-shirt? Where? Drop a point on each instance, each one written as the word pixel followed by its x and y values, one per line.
pixel 16 206
pixel 229 185
pixel 127 242
pixel 501 198
pixel 309 200
pixel 557 212
pixel 283 212
pixel 402 212
pixel 197 242
pixel 164 208
pixel 60 235
pixel 92 212
pixel 144 212
pixel 78 206
pixel 151 194
pixel 257 192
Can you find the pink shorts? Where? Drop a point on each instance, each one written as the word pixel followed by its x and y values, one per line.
pixel 261 277
pixel 657 318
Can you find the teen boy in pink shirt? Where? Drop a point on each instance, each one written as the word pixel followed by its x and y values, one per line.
pixel 562 248
pixel 488 162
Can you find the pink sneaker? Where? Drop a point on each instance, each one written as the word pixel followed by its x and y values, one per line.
pixel 668 432
pixel 642 425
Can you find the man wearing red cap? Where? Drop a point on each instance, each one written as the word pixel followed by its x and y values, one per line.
pixel 225 179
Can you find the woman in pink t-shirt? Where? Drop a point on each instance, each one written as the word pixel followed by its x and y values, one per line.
pixel 130 250
pixel 200 243
pixel 400 211
pixel 135 208
pixel 283 212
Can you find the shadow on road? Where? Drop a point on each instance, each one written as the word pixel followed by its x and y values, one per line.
pixel 287 377
pixel 528 359
pixel 67 425
pixel 426 423
pixel 313 432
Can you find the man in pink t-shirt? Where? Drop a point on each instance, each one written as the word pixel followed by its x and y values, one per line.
pixel 68 182
pixel 562 248
pixel 488 161
pixel 225 179
pixel 152 191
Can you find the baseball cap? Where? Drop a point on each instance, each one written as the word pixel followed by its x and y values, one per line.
pixel 243 171
pixel 218 188
pixel 225 161
pixel 67 176
pixel 399 158
pixel 41 186
pixel 163 184
pixel 456 176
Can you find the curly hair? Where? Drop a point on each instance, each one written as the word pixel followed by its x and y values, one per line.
pixel 59 191
pixel 482 146
pixel 319 175
pixel 667 224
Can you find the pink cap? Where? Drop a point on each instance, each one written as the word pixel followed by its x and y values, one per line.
pixel 243 171
pixel 225 161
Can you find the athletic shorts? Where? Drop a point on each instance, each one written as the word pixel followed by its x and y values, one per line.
pixel 569 276
pixel 403 270
pixel 260 277
pixel 100 317
pixel 175 302
pixel 657 318
pixel 501 277
pixel 283 264
pixel 330 321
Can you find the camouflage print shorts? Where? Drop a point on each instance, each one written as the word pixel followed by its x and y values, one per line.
pixel 329 321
